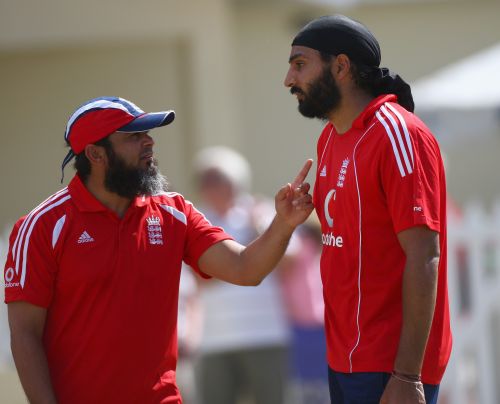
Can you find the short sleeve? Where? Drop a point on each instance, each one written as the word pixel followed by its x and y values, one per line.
pixel 30 267
pixel 412 177
pixel 201 235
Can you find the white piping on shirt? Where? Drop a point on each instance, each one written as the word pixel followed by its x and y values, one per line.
pixel 324 149
pixel 359 248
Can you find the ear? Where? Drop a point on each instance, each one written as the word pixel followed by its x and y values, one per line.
pixel 94 153
pixel 341 67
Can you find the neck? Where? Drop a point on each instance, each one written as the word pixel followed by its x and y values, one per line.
pixel 351 105
pixel 112 201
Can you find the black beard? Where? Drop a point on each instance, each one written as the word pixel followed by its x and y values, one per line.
pixel 130 182
pixel 321 99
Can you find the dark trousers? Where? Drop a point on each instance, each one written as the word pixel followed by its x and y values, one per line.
pixel 366 388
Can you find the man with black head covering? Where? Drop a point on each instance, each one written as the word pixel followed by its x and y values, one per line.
pixel 381 198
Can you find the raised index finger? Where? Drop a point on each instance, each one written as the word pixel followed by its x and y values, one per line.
pixel 301 176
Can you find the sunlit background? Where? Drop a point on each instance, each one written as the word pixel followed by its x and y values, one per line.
pixel 220 64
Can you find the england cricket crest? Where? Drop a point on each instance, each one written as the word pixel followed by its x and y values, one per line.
pixel 343 173
pixel 155 235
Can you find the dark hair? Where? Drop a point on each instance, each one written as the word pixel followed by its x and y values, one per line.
pixel 378 80
pixel 363 78
pixel 82 163
pixel 325 57
pixel 361 74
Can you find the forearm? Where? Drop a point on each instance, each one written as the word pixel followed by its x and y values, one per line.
pixel 418 299
pixel 261 256
pixel 293 206
pixel 31 363
pixel 247 266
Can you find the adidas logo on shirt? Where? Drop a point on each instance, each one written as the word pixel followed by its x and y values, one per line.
pixel 323 172
pixel 85 238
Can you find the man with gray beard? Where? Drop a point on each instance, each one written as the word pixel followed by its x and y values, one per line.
pixel 92 273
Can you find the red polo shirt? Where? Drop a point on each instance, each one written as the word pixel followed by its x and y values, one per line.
pixel 110 287
pixel 379 178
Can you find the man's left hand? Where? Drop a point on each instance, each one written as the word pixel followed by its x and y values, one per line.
pixel 403 392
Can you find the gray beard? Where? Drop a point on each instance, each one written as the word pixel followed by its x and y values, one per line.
pixel 130 182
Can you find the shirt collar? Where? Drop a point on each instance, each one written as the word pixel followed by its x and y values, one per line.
pixel 362 120
pixel 86 202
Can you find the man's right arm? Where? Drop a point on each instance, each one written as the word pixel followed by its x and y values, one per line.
pixel 27 323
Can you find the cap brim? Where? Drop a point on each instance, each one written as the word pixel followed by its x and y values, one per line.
pixel 149 121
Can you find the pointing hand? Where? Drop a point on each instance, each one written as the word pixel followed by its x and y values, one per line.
pixel 293 201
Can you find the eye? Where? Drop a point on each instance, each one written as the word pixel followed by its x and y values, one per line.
pixel 299 65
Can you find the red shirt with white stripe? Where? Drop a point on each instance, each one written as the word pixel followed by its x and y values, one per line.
pixel 379 178
pixel 110 287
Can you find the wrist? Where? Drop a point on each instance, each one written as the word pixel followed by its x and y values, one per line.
pixel 282 225
pixel 407 377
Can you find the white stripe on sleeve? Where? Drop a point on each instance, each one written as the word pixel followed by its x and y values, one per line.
pixel 405 130
pixel 402 145
pixel 175 213
pixel 393 143
pixel 28 235
pixel 16 250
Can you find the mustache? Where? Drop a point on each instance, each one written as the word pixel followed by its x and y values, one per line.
pixel 147 152
pixel 296 90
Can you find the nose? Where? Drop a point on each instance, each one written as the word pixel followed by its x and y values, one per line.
pixel 289 79
pixel 148 140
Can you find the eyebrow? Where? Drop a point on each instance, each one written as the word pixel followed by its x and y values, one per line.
pixel 295 56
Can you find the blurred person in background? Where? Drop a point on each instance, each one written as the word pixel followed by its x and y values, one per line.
pixel 243 347
pixel 380 195
pixel 92 273
pixel 300 277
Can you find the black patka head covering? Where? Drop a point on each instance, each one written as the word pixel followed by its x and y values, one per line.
pixel 336 34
